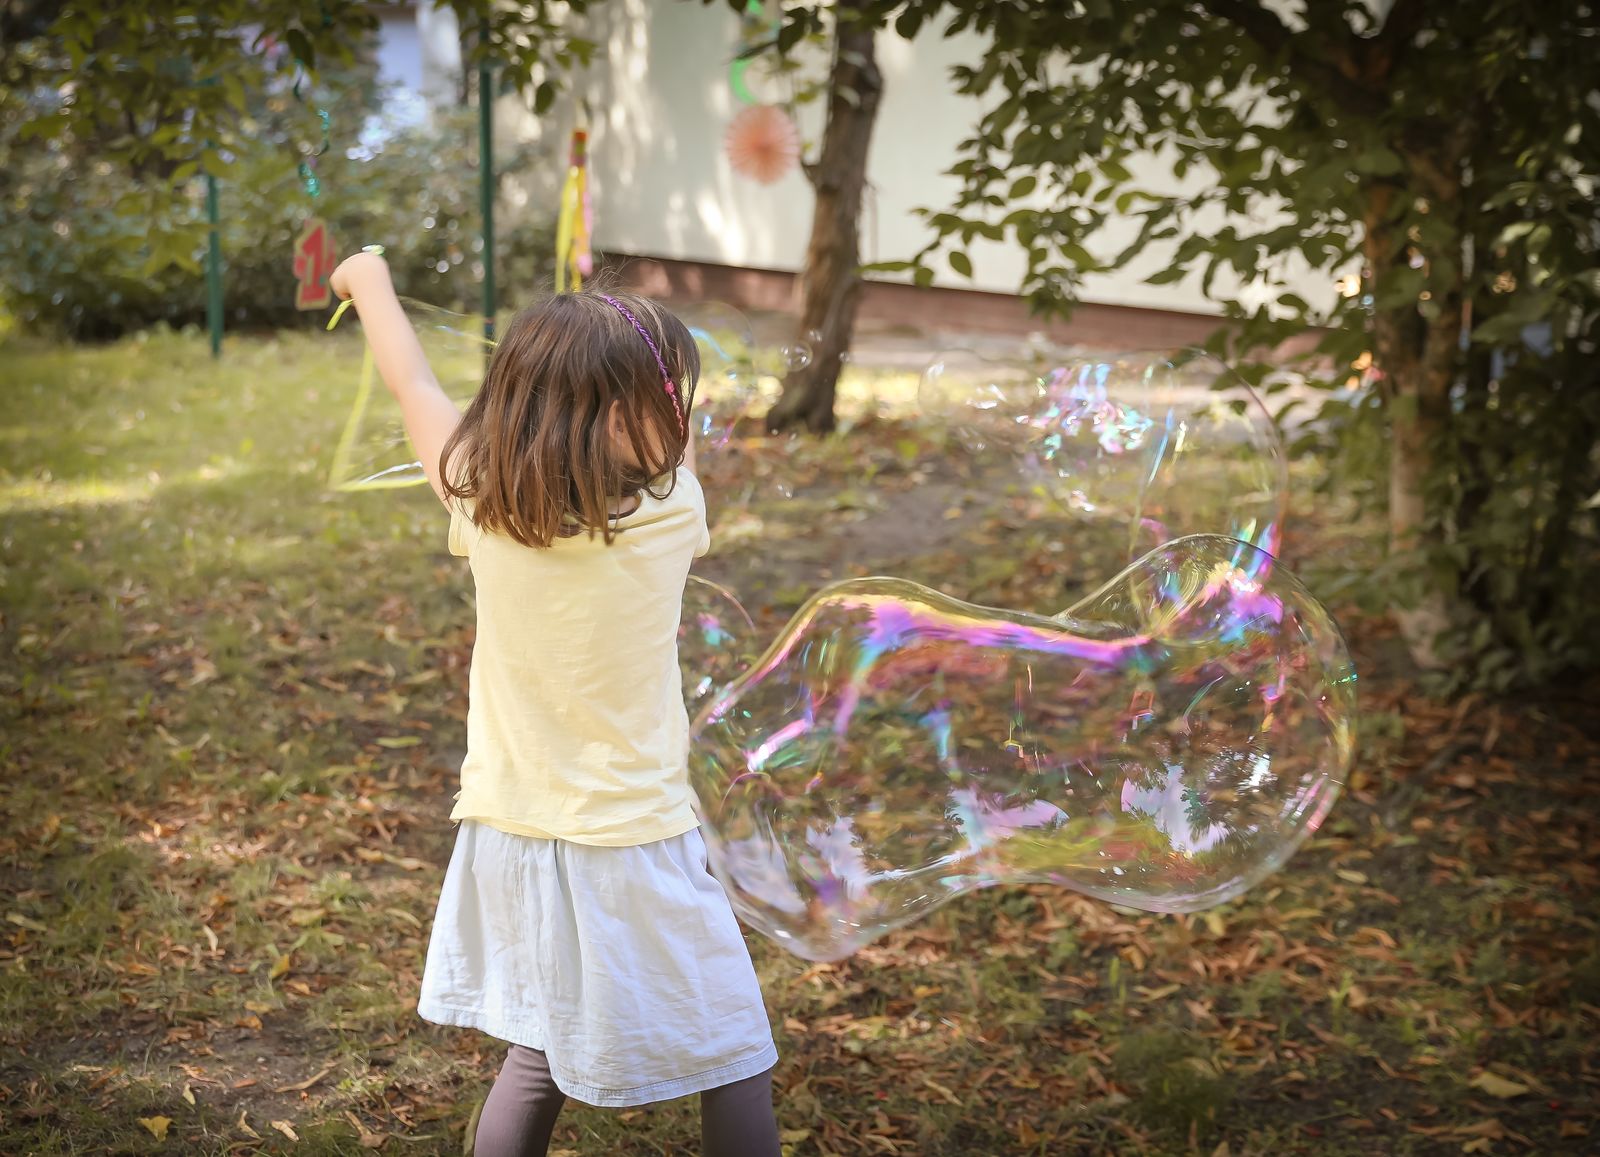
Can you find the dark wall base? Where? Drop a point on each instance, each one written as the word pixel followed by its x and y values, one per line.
pixel 889 304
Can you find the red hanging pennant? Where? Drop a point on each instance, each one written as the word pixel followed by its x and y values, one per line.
pixel 314 256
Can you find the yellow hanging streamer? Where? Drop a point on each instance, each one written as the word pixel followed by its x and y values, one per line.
pixel 572 222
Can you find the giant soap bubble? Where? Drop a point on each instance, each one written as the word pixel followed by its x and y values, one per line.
pixel 739 382
pixel 1165 746
pixel 727 395
pixel 716 640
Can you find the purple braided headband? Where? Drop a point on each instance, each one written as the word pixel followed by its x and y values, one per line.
pixel 666 378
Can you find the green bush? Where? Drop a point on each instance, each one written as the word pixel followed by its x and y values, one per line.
pixel 76 240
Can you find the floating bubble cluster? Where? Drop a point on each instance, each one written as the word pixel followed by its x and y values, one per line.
pixel 1164 746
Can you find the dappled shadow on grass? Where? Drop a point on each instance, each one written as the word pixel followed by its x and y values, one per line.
pixel 225 799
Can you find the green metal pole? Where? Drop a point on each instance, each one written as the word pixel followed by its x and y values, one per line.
pixel 486 182
pixel 213 269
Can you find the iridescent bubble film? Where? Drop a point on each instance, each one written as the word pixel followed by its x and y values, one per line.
pixel 373 452
pixel 1162 446
pixel 716 640
pixel 1165 746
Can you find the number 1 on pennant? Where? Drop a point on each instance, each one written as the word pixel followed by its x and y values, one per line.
pixel 313 265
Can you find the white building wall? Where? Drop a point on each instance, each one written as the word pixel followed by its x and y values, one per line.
pixel 658 102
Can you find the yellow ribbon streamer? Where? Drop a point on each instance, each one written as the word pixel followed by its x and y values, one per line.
pixel 572 228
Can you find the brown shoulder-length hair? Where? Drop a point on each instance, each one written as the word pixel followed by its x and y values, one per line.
pixel 534 450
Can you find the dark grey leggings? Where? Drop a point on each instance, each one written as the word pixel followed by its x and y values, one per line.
pixel 735 1120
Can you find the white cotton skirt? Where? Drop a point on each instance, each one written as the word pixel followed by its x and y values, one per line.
pixel 625 966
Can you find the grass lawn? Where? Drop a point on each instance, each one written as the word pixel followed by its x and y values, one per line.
pixel 234 705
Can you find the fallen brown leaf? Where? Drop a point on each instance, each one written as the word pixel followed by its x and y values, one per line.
pixel 1496 1086
pixel 301 1086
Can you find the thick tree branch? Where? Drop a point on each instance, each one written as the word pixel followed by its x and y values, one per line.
pixel 1394 41
pixel 1323 76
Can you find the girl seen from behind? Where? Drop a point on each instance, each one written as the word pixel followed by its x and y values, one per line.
pixel 577 919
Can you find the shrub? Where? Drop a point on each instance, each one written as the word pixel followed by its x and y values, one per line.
pixel 75 241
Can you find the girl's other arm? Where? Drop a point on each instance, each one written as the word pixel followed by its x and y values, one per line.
pixel 430 416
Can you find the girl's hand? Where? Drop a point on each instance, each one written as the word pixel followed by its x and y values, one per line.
pixel 358 270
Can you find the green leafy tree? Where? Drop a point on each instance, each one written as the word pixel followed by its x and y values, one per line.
pixel 99 245
pixel 169 89
pixel 78 266
pixel 1446 154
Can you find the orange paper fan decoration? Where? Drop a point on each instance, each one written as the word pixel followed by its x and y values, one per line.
pixel 763 143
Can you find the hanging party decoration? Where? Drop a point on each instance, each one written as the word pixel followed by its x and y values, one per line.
pixel 763 143
pixel 314 259
pixel 575 223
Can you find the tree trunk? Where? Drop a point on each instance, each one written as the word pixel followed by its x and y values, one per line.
pixel 1418 349
pixel 830 282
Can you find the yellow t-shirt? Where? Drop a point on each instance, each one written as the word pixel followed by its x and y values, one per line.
pixel 576 727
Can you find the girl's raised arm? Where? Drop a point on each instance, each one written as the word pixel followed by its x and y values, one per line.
pixel 430 416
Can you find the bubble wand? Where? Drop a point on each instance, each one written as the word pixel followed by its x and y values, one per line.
pixel 339 471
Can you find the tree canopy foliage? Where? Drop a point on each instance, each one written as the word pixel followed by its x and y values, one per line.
pixel 170 89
